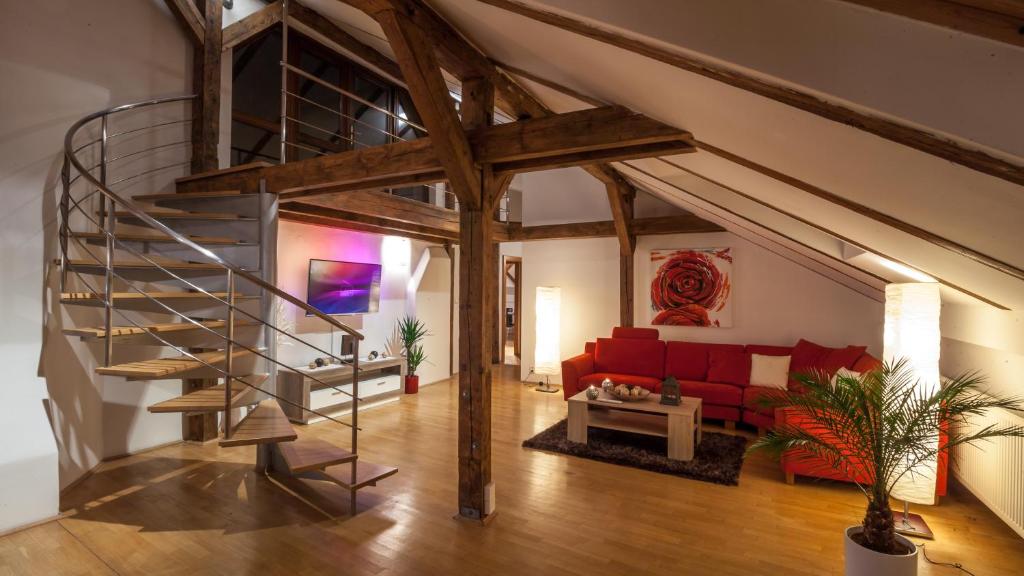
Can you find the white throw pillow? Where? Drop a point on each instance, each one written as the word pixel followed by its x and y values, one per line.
pixel 769 371
pixel 845 373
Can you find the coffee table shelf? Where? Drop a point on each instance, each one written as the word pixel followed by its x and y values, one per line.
pixel 679 424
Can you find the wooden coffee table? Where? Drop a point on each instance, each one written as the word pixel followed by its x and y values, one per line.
pixel 680 424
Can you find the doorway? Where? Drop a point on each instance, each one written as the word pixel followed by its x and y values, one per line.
pixel 511 309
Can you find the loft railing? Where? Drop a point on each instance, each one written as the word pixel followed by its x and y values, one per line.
pixel 92 136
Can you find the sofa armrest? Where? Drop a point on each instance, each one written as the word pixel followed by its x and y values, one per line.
pixel 572 370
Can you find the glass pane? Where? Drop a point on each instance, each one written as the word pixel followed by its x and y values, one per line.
pixel 405 109
pixel 370 125
pixel 256 100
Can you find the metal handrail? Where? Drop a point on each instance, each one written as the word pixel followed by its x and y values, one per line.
pixel 355 97
pixel 163 228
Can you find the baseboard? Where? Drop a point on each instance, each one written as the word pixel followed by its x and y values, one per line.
pixel 139 452
pixel 24 527
pixel 82 478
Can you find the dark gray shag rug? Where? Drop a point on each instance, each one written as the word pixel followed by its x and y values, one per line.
pixel 718 457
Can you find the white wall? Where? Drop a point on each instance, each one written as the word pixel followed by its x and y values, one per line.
pixel 429 299
pixel 775 301
pixel 982 338
pixel 587 271
pixel 57 61
pixel 298 243
pixel 563 195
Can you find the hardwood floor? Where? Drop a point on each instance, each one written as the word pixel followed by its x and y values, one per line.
pixel 190 509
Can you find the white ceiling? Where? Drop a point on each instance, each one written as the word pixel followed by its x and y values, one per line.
pixel 962 87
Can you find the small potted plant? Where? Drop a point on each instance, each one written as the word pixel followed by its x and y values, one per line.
pixel 878 427
pixel 412 331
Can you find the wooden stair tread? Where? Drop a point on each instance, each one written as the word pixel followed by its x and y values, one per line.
pixel 367 474
pixel 158 368
pixel 190 195
pixel 94 299
pixel 180 215
pixel 143 265
pixel 211 399
pixel 223 171
pixel 312 454
pixel 264 425
pixel 101 332
pixel 203 240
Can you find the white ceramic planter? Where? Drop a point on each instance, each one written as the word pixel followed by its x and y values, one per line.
pixel 861 561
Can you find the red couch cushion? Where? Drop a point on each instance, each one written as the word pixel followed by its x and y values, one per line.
pixel 841 358
pixel 636 333
pixel 754 395
pixel 630 356
pixel 729 367
pixel 652 384
pixel 711 392
pixel 807 354
pixel 866 363
pixel 769 350
pixel 689 360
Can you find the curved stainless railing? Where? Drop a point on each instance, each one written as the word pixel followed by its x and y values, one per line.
pixel 110 201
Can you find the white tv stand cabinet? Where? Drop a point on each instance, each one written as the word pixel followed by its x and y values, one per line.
pixel 380 381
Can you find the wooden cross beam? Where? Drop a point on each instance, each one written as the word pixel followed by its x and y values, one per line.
pixel 190 18
pixel 572 139
pixel 252 25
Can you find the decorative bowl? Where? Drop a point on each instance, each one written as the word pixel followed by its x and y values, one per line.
pixel 630 393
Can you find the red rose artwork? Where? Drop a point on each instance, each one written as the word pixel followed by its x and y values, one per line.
pixel 691 287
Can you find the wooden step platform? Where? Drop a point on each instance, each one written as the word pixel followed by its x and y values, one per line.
pixel 312 454
pixel 99 332
pixel 212 399
pixel 264 425
pixel 140 302
pixel 367 474
pixel 135 269
pixel 99 238
pixel 164 215
pixel 190 195
pixel 164 368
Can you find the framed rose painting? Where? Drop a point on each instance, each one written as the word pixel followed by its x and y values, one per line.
pixel 691 287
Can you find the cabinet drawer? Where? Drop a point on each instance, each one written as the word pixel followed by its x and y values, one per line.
pixel 380 385
pixel 330 396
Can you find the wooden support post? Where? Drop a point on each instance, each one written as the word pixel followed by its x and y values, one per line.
pixel 626 281
pixel 496 279
pixel 206 85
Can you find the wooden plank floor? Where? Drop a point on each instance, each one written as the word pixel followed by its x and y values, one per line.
pixel 190 509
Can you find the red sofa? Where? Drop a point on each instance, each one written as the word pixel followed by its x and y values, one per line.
pixel 718 374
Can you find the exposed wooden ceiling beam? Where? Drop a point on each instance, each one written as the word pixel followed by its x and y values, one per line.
pixel 188 15
pixel 458 55
pixel 329 30
pixel 337 223
pixel 906 135
pixel 562 140
pixel 997 20
pixel 373 203
pixel 252 25
pixel 877 216
pixel 681 224
pixel 380 222
pixel 434 103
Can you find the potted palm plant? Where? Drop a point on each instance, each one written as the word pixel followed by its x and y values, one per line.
pixel 877 427
pixel 412 331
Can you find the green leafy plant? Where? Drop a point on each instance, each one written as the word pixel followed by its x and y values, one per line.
pixel 411 331
pixel 878 428
pixel 414 357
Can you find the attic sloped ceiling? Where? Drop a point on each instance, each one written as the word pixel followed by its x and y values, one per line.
pixel 966 207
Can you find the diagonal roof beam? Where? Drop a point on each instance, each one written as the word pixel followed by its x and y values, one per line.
pixel 901 133
pixel 434 103
pixel 459 56
pixel 188 15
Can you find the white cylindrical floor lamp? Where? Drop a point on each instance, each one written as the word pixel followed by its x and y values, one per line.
pixel 912 333
pixel 547 348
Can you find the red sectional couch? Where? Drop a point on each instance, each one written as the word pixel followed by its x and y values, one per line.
pixel 718 374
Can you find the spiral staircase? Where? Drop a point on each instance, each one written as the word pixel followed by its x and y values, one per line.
pixel 182 287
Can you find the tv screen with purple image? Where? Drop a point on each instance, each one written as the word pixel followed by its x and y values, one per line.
pixel 343 287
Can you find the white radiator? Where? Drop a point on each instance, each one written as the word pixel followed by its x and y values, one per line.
pixel 994 470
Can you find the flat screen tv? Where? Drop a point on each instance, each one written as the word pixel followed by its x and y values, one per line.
pixel 343 287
